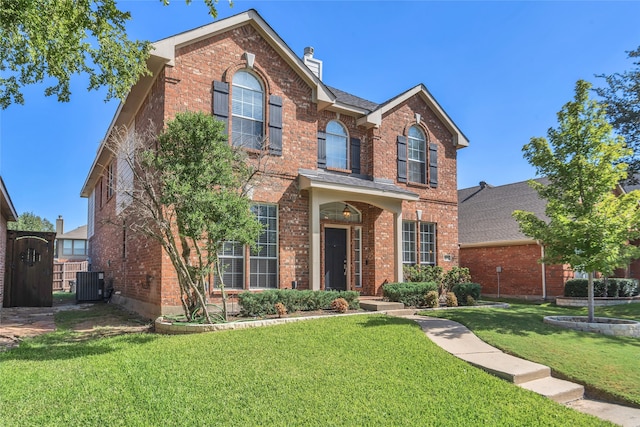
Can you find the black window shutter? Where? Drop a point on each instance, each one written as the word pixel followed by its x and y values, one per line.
pixel 275 125
pixel 355 155
pixel 322 150
pixel 433 165
pixel 402 158
pixel 221 102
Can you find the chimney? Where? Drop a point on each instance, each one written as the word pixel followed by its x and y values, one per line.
pixel 483 184
pixel 59 225
pixel 315 65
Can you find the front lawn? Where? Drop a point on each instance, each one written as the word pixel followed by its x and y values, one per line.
pixel 353 370
pixel 601 362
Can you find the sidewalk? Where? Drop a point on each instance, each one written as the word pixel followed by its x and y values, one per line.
pixel 461 342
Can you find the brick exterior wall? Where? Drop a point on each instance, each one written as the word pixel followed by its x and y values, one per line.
pixel 521 274
pixel 142 274
pixel 3 255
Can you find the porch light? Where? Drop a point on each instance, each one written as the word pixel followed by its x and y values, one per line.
pixel 346 212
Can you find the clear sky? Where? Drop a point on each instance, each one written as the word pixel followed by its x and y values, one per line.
pixel 501 70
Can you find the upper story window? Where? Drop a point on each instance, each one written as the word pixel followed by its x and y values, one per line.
pixel 336 145
pixel 247 129
pixel 417 155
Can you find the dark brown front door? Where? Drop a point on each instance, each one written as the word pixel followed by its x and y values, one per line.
pixel 335 259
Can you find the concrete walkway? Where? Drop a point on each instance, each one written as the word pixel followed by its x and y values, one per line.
pixel 461 342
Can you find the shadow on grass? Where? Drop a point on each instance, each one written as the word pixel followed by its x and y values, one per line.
pixel 526 320
pixel 64 346
pixel 375 321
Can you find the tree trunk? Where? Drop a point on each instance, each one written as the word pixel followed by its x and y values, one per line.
pixel 590 299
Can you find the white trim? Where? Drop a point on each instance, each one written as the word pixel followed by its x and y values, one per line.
pixel 498 243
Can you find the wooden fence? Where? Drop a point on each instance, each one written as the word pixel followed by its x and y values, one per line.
pixel 65 272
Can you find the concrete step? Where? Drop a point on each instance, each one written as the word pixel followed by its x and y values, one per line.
pixel 375 305
pixel 510 368
pixel 558 390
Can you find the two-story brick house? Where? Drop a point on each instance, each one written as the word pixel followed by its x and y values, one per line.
pixel 356 190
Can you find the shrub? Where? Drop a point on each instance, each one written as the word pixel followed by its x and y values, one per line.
pixel 340 305
pixel 423 273
pixel 263 303
pixel 470 301
pixel 464 290
pixel 410 294
pixel 280 309
pixel 610 287
pixel 431 299
pixel 452 301
pixel 455 276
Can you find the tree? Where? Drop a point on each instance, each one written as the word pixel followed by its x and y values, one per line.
pixel 51 40
pixel 28 221
pixel 187 190
pixel 622 96
pixel 588 225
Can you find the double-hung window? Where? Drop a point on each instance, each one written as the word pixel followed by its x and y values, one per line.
pixel 262 261
pixel 336 145
pixel 417 155
pixel 419 244
pixel 247 107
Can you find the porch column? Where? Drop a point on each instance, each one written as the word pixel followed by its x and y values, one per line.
pixel 314 242
pixel 397 235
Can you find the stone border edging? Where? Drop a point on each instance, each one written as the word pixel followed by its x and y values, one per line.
pixel 597 301
pixel 602 325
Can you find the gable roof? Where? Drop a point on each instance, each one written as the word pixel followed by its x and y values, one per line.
pixel 79 233
pixel 485 213
pixel 163 53
pixel 374 118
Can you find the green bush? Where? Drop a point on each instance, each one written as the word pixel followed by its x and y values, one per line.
pixel 408 293
pixel 431 299
pixel 463 290
pixel 263 303
pixel 452 300
pixel 455 276
pixel 423 273
pixel 611 287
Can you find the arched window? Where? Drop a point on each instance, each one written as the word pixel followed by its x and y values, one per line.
pixel 247 129
pixel 417 155
pixel 336 145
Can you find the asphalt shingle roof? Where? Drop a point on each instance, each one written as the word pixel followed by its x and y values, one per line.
pixel 485 212
pixel 320 175
pixel 355 101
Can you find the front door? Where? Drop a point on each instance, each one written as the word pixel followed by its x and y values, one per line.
pixel 335 259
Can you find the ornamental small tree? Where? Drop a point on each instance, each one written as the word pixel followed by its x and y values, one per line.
pixel 186 188
pixel 590 220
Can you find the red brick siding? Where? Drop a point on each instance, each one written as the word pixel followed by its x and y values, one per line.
pixel 3 254
pixel 521 274
pixel 147 275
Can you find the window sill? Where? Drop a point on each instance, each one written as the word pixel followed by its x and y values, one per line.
pixel 338 170
pixel 418 185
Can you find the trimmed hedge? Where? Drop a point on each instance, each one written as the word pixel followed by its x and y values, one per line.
pixel 614 288
pixel 409 293
pixel 254 304
pixel 462 290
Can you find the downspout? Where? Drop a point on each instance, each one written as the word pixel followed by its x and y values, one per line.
pixel 544 273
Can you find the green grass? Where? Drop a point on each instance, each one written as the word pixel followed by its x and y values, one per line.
pixel 602 363
pixel 353 370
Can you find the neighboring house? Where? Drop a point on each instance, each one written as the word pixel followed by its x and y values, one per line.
pixel 71 256
pixel 357 189
pixel 490 240
pixel 71 246
pixel 7 213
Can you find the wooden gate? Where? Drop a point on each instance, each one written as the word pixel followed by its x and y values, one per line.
pixel 29 269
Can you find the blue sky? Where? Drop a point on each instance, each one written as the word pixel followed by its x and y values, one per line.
pixel 502 70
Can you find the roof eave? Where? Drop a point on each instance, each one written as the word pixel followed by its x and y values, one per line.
pixel 497 243
pixel 374 119
pixel 7 208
